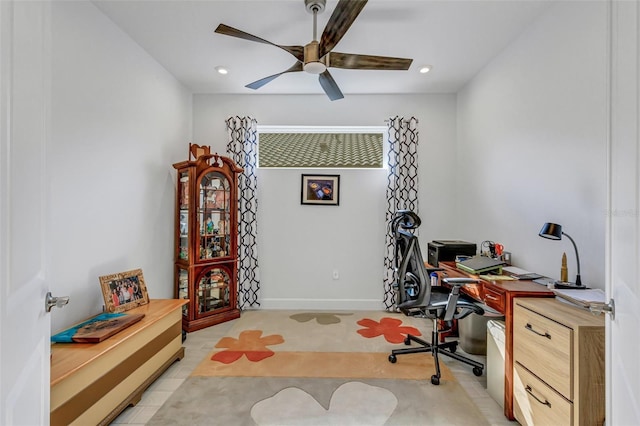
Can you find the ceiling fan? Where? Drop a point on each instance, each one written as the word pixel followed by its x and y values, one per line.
pixel 317 56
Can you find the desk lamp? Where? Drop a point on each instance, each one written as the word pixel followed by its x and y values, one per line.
pixel 553 231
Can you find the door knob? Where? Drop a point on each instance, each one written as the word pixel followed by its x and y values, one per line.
pixel 51 301
pixel 598 308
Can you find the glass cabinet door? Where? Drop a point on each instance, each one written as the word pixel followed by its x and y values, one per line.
pixel 183 197
pixel 213 216
pixel 183 288
pixel 212 291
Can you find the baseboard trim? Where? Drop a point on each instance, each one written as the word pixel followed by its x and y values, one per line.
pixel 323 304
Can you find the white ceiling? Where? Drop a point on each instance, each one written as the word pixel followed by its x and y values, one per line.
pixel 458 38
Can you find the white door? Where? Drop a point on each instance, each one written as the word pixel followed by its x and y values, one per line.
pixel 24 129
pixel 623 248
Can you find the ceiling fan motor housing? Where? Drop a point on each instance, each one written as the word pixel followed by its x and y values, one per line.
pixel 312 63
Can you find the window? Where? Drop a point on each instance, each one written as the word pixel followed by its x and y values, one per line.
pixel 321 147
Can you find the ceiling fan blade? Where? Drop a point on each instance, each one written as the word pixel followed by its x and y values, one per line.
pixel 330 86
pixel 343 15
pixel 297 51
pixel 366 62
pixel 259 83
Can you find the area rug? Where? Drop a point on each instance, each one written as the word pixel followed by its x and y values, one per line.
pixel 311 368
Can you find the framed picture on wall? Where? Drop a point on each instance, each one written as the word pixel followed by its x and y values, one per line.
pixel 321 190
pixel 124 290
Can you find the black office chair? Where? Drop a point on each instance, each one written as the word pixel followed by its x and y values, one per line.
pixel 416 296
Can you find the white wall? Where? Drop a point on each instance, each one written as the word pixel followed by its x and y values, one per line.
pixel 531 143
pixel 300 246
pixel 119 121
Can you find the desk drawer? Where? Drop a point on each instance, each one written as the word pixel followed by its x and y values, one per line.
pixel 543 346
pixel 535 403
pixel 495 300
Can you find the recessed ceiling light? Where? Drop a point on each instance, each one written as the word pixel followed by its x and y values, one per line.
pixel 425 69
pixel 222 70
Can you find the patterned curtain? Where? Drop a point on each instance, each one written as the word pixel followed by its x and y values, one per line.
pixel 402 190
pixel 242 148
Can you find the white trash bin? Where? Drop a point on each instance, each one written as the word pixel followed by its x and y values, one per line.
pixel 495 360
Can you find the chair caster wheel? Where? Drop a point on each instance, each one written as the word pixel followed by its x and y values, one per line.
pixel 435 380
pixel 407 341
pixel 477 371
pixel 392 359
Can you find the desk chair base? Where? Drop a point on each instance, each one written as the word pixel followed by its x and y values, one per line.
pixel 447 348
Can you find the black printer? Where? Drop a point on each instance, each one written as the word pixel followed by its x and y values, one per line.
pixel 443 250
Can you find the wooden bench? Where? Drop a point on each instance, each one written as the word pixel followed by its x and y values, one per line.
pixel 92 383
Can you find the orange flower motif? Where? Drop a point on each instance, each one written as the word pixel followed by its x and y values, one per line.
pixel 249 343
pixel 391 328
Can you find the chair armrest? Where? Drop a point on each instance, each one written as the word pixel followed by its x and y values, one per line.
pixel 460 281
pixel 452 301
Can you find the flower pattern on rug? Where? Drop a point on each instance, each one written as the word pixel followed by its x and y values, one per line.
pixel 321 318
pixel 249 343
pixel 353 403
pixel 391 328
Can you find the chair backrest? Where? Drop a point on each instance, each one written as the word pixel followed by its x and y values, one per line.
pixel 414 286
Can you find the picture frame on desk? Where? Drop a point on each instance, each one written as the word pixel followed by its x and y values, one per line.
pixel 124 290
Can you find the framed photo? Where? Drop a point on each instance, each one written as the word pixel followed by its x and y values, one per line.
pixel 321 190
pixel 124 291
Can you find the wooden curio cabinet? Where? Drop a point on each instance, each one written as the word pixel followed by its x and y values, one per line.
pixel 206 238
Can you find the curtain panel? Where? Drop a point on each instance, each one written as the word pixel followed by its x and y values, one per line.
pixel 402 191
pixel 242 149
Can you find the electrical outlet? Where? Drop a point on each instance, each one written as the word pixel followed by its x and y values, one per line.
pixel 336 275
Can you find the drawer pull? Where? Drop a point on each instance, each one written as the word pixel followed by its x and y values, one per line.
pixel 530 328
pixel 490 297
pixel 530 392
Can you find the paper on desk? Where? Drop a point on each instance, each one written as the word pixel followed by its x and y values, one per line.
pixel 582 297
pixel 497 277
pixel 514 270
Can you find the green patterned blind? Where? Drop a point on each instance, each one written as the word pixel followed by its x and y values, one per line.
pixel 329 150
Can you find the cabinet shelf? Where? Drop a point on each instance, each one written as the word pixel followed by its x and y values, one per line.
pixel 213 209
pixel 206 238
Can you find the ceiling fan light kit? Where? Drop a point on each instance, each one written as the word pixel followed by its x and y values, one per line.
pixel 317 57
pixel 314 67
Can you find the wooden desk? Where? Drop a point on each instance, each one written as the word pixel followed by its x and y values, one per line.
pixel 499 295
pixel 91 383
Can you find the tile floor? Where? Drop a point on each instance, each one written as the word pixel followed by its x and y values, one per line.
pixel 198 345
